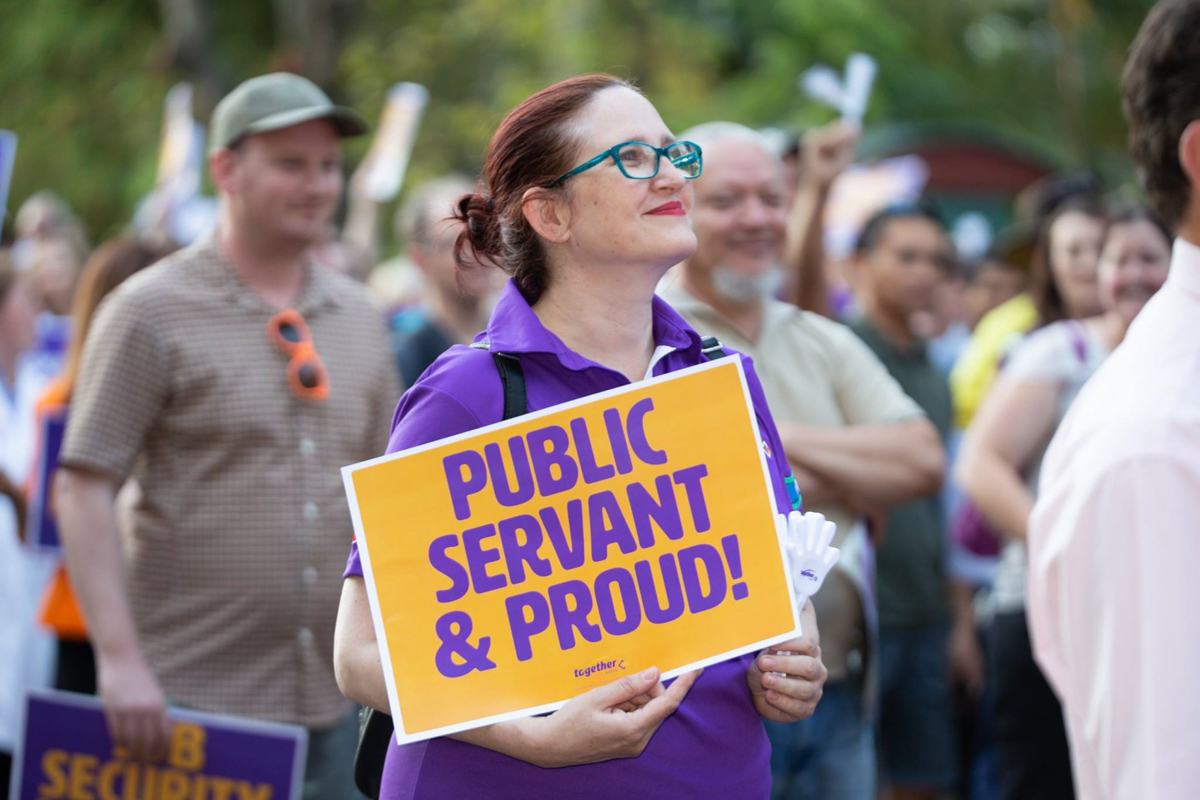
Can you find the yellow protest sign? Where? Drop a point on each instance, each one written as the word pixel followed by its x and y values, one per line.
pixel 514 567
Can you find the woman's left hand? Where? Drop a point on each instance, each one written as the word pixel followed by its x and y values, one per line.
pixel 794 697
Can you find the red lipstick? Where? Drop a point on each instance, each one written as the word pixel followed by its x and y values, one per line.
pixel 671 209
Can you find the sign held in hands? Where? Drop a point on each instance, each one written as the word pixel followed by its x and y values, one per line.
pixel 512 568
pixel 66 752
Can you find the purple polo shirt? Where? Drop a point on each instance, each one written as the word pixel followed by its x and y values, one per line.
pixel 714 746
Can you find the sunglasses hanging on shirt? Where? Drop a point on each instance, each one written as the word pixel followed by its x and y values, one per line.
pixel 305 371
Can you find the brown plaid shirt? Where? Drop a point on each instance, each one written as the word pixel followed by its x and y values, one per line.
pixel 240 536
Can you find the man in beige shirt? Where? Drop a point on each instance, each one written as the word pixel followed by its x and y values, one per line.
pixel 856 442
pixel 232 380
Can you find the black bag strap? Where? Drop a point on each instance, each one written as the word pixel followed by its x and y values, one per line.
pixel 711 348
pixel 512 378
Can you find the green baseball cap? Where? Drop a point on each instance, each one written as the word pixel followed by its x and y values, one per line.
pixel 276 101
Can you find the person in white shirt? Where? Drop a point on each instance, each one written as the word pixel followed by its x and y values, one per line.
pixel 26 654
pixel 1113 539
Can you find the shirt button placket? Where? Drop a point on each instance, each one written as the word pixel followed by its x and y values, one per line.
pixel 306 638
pixel 310 511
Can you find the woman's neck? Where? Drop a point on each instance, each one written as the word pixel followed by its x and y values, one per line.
pixel 606 317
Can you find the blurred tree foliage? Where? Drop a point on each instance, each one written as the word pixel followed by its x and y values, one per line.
pixel 82 81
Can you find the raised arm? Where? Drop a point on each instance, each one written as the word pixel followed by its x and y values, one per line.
pixel 826 152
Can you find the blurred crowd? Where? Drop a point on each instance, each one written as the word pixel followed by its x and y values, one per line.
pixel 208 410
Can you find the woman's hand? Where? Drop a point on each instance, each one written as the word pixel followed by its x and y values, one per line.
pixel 794 696
pixel 593 727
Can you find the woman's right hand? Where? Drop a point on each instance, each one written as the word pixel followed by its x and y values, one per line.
pixel 596 726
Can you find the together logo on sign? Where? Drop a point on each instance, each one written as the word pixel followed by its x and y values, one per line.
pixel 601 667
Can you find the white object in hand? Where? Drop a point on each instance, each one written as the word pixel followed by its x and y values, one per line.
pixel 847 93
pixel 823 84
pixel 810 557
pixel 806 538
pixel 860 75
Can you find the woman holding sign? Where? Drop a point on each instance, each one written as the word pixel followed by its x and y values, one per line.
pixel 586 239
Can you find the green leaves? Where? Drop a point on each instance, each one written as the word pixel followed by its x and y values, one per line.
pixel 82 81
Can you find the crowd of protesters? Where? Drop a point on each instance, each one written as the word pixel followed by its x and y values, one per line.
pixel 1004 621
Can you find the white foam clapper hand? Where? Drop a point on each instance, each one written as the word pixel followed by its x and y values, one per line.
pixel 823 84
pixel 807 540
pixel 856 87
pixel 848 93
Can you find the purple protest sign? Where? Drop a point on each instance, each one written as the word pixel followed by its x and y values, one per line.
pixel 65 752
pixel 8 155
pixel 42 529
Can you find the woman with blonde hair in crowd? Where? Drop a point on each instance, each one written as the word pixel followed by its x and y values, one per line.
pixel 998 468
pixel 586 207
pixel 111 264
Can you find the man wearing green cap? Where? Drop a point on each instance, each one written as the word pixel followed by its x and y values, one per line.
pixel 231 382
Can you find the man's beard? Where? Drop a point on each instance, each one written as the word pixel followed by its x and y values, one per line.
pixel 745 289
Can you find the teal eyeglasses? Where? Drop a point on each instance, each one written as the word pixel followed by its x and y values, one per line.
pixel 639 161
